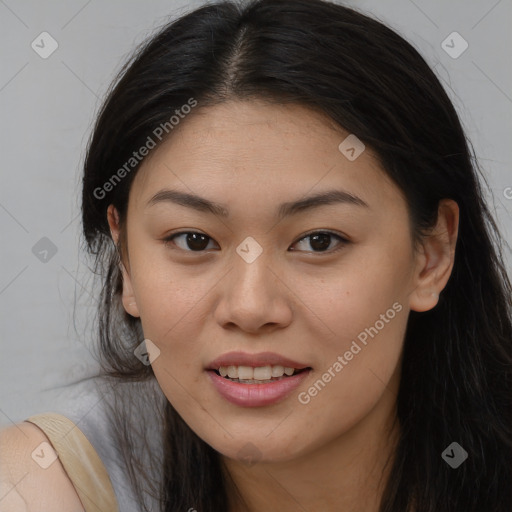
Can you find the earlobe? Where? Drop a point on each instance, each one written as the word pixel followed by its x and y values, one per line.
pixel 436 259
pixel 421 300
pixel 128 296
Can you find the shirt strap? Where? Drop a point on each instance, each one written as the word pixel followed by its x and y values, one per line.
pixel 80 461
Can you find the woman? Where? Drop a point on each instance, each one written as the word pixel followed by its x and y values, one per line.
pixel 296 249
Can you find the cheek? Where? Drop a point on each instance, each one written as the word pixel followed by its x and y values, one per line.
pixel 363 320
pixel 357 367
pixel 173 307
pixel 363 312
pixel 354 295
pixel 166 293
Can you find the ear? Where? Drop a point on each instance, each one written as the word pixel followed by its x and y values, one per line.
pixel 435 258
pixel 128 297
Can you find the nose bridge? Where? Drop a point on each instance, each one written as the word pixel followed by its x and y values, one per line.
pixel 251 268
pixel 251 295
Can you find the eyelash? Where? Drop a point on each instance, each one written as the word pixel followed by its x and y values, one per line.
pixel 343 241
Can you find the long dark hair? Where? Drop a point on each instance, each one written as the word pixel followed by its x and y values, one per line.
pixel 456 380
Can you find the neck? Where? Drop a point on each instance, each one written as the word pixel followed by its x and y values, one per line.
pixel 347 474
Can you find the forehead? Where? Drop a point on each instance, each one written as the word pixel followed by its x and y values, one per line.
pixel 257 152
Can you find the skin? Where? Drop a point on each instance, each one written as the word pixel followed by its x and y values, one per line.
pixel 25 486
pixel 294 299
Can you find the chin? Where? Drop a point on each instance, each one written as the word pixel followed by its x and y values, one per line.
pixel 259 449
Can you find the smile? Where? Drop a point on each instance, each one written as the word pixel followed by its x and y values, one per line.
pixel 256 391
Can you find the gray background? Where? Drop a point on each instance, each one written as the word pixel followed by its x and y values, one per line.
pixel 47 109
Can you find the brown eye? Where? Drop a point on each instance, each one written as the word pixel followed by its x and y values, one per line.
pixel 192 241
pixel 321 240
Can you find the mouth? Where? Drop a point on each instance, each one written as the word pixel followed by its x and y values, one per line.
pixel 254 380
pixel 259 374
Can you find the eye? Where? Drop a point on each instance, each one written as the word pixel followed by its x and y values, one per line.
pixel 197 242
pixel 194 240
pixel 321 240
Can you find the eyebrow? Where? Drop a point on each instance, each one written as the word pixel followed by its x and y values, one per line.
pixel 202 204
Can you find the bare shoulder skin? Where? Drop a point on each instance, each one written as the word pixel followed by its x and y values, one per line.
pixel 26 485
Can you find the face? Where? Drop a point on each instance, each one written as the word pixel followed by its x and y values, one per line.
pixel 325 287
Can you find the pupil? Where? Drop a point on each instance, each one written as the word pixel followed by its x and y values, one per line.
pixel 195 243
pixel 324 241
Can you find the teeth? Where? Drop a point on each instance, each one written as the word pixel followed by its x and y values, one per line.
pixel 232 372
pixel 260 373
pixel 277 371
pixel 245 373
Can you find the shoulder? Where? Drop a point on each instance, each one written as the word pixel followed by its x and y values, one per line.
pixel 31 475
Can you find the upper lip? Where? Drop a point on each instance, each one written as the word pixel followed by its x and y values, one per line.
pixel 254 360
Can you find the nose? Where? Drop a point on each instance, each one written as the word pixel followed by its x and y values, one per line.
pixel 254 298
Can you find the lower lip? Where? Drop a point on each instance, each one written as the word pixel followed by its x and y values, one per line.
pixel 256 395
